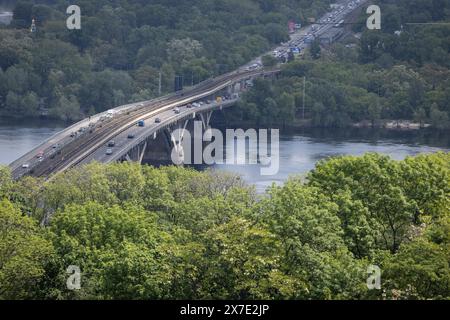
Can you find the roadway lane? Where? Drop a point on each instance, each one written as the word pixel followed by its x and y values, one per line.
pixel 322 27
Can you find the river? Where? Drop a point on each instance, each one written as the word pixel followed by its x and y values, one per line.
pixel 299 150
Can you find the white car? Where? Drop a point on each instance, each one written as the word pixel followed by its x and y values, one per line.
pixel 25 166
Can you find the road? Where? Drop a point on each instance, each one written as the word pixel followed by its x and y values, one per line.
pixel 123 142
pixel 99 133
pixel 322 27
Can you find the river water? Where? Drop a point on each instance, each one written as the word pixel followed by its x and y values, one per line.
pixel 299 150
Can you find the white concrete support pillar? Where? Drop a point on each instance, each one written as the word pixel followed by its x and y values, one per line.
pixel 142 152
pixel 176 139
pixel 206 118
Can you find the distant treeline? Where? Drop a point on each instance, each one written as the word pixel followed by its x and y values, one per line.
pixel 122 47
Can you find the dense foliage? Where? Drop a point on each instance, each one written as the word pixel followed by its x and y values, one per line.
pixel 137 232
pixel 122 47
pixel 399 72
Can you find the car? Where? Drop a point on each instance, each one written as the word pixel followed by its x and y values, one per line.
pixel 141 123
pixel 25 166
pixel 109 152
pixel 72 135
pixel 131 136
pixel 41 159
pixel 189 106
pixel 176 110
pixel 157 120
pixel 111 144
pixel 40 154
pixel 55 146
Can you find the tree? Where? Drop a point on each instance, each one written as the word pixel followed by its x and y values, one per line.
pixel 118 250
pixel 182 51
pixel 286 105
pixel 315 49
pixel 421 269
pixel 5 181
pixel 66 108
pixel 22 14
pixel 24 254
pixel 439 119
pixel 243 263
pixel 268 61
pixel 374 180
pixel 313 249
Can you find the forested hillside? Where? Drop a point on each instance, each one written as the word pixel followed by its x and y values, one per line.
pixel 122 46
pixel 137 232
pixel 400 72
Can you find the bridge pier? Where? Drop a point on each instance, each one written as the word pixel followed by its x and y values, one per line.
pixel 177 138
pixel 206 119
pixel 137 154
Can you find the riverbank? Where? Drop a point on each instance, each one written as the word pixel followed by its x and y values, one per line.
pixel 5 17
pixel 302 124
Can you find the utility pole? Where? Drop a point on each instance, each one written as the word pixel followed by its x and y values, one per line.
pixel 159 84
pixel 33 26
pixel 304 93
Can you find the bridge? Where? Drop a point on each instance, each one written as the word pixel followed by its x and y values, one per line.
pixel 128 133
pixel 115 135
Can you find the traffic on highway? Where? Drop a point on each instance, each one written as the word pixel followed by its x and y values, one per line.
pixel 134 135
pixel 301 39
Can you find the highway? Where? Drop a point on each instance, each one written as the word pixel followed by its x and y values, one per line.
pixel 87 140
pixel 323 27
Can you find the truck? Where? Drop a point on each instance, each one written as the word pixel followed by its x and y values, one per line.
pixel 339 24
